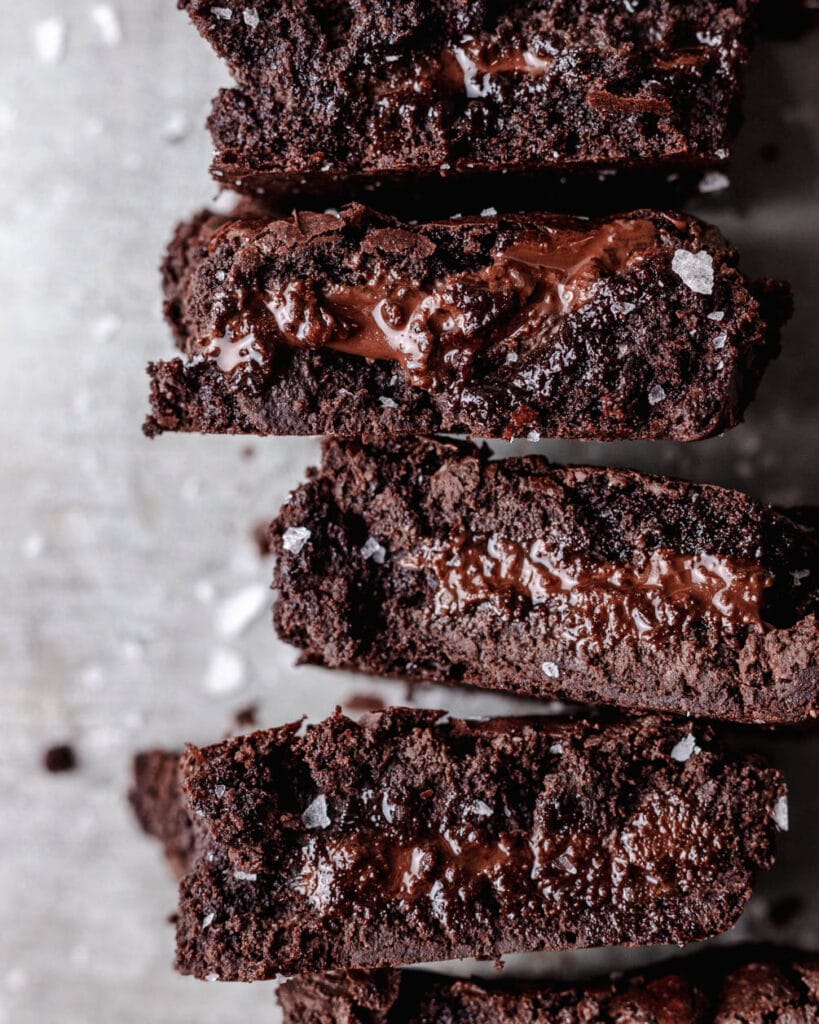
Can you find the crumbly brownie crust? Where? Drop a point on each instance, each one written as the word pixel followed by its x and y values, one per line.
pixel 634 326
pixel 451 88
pixel 692 991
pixel 430 560
pixel 397 840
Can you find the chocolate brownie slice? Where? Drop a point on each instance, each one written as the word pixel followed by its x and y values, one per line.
pixel 356 324
pixel 355 93
pixel 691 991
pixel 430 560
pixel 405 839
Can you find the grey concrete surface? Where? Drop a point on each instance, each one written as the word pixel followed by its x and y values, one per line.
pixel 134 609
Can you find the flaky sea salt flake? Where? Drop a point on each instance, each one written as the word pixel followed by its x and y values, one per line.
pixel 372 549
pixel 251 17
pixel 207 921
pixel 225 13
pixel 717 316
pixel 685 749
pixel 315 816
pixel 713 181
pixel 695 269
pixel 550 669
pixel 780 814
pixel 295 538
pixel 656 395
pixel 245 876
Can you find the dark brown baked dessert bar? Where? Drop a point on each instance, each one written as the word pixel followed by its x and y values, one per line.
pixel 692 991
pixel 634 326
pixel 360 92
pixel 404 839
pixel 432 561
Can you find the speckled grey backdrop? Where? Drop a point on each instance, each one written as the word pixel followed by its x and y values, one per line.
pixel 134 603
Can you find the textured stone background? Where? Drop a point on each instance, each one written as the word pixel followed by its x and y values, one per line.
pixel 134 602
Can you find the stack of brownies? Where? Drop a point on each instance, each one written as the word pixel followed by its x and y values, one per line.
pixel 341 851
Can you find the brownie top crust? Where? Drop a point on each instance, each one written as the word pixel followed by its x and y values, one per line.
pixel 638 325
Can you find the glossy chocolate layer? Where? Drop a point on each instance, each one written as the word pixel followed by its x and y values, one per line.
pixel 597 603
pixel 435 333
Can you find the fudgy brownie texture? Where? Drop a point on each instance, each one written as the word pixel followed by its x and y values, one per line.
pixel 432 561
pixel 632 326
pixel 359 91
pixel 781 991
pixel 403 839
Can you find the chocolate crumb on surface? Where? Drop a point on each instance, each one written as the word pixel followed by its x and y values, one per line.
pixel 584 584
pixel 60 758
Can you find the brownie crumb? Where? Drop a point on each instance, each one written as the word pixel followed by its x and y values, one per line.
pixel 247 716
pixel 261 538
pixel 60 758
pixel 365 702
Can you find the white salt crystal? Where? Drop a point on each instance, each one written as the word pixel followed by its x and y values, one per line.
pixel 719 341
pixel 315 816
pixel 479 807
pixel 387 809
pixel 387 403
pixel 717 316
pixel 220 791
pixel 656 395
pixel 225 13
pixel 251 17
pixel 295 538
pixel 239 610
pixel 683 750
pixel 696 270
pixel 225 672
pixel 245 876
pixel 713 181
pixel 490 211
pixel 107 23
pixel 550 669
pixel 372 549
pixel 207 921
pixel 50 39
pixel 211 977
pixel 780 814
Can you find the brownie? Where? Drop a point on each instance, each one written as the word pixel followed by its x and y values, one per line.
pixel 430 560
pixel 404 838
pixel 336 94
pixel 691 991
pixel 357 324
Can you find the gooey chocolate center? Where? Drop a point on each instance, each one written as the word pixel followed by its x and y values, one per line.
pixel 592 603
pixel 435 333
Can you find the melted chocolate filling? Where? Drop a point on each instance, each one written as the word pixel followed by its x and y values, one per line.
pixel 597 603
pixel 662 846
pixel 435 333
